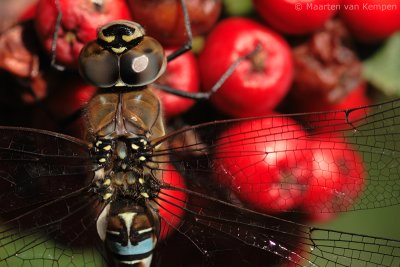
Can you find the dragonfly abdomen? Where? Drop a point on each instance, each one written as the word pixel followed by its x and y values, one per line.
pixel 129 232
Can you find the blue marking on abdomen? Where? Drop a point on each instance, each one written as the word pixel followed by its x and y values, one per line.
pixel 142 247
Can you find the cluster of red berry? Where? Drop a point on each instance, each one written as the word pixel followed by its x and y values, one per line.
pixel 306 63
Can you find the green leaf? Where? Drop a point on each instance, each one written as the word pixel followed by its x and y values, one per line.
pixel 383 69
pixel 238 7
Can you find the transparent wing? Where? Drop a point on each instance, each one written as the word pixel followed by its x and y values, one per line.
pixel 230 235
pixel 46 208
pixel 48 214
pixel 358 149
pixel 213 214
pixel 35 166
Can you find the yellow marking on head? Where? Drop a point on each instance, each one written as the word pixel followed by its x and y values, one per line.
pixel 107 148
pixel 128 38
pixel 141 180
pixel 107 39
pixel 102 160
pixel 118 50
pixel 142 158
pixel 107 182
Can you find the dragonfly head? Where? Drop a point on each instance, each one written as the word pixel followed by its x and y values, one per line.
pixel 122 56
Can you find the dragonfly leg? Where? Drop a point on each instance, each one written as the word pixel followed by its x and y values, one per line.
pixel 55 37
pixel 215 87
pixel 188 45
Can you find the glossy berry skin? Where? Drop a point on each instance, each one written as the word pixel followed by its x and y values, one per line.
pixel 80 20
pixel 265 163
pixel 369 23
pixel 296 17
pixel 258 83
pixel 183 74
pixel 170 214
pixel 337 180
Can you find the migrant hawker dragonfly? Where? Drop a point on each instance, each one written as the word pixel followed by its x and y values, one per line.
pixel 109 199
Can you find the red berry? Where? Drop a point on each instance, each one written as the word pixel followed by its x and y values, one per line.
pixel 80 20
pixel 356 98
pixel 73 94
pixel 338 178
pixel 63 104
pixel 371 20
pixel 163 19
pixel 265 162
pixel 183 74
pixel 296 17
pixel 259 83
pixel 337 120
pixel 171 202
pixel 28 13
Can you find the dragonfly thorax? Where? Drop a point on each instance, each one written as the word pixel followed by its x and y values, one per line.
pixel 124 169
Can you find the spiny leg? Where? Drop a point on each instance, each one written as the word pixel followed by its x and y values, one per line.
pixel 55 37
pixel 188 45
pixel 215 87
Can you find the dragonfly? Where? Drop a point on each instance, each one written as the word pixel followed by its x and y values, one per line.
pixel 108 199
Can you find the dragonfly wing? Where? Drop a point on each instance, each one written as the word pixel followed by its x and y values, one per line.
pixel 369 146
pixel 46 208
pixel 225 230
pixel 217 220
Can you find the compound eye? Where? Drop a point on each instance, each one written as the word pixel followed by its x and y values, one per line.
pixel 98 66
pixel 142 64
